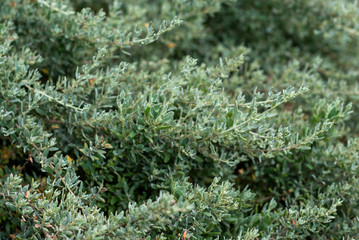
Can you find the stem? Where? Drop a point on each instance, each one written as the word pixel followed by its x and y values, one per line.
pixel 54 99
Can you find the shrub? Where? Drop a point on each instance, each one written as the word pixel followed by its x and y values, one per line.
pixel 179 119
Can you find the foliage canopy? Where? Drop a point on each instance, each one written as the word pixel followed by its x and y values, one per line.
pixel 195 119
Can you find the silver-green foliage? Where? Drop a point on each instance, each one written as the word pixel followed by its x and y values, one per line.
pixel 111 129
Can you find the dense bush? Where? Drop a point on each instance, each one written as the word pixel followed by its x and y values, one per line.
pixel 197 119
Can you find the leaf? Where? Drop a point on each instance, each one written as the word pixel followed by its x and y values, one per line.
pixel 69 159
pixel 167 157
pixel 132 134
pixel 108 146
pixel 147 110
